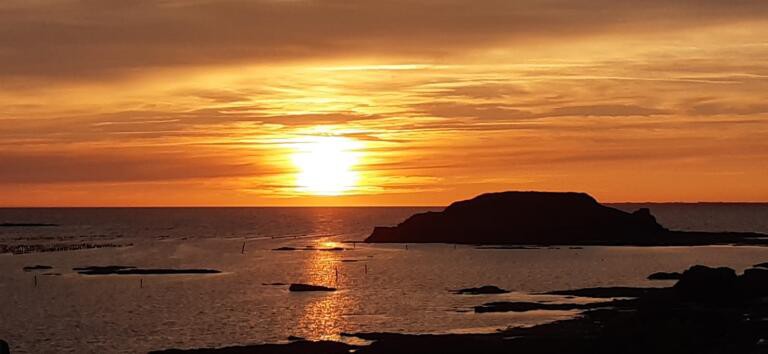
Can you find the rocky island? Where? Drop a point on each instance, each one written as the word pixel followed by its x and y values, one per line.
pixel 546 218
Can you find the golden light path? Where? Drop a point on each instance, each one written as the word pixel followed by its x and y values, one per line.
pixel 326 164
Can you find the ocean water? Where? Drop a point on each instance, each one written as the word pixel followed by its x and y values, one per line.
pixel 381 287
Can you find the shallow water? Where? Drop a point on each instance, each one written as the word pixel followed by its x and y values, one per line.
pixel 404 290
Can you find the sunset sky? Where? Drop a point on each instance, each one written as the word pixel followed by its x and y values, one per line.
pixel 313 102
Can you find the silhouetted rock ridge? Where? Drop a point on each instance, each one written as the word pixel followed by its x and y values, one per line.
pixel 540 218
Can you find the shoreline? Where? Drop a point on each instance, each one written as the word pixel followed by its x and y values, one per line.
pixel 710 310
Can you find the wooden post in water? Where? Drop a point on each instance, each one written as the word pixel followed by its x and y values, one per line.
pixel 141 283
pixel 242 250
pixel 366 269
pixel 35 280
pixel 337 274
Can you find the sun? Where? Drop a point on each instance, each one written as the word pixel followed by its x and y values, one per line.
pixel 326 165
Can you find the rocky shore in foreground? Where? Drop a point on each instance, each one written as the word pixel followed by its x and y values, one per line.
pixel 708 310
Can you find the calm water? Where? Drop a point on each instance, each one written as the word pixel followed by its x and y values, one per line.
pixel 403 290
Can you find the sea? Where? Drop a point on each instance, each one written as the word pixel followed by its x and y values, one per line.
pixel 406 288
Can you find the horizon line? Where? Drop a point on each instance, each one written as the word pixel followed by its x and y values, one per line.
pixel 326 206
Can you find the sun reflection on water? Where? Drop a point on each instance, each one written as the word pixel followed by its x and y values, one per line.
pixel 323 313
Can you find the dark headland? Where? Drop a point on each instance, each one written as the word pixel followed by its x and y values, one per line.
pixel 546 218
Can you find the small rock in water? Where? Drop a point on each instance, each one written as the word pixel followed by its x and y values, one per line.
pixel 665 276
pixel 308 287
pixel 486 289
pixel 36 267
pixel 94 270
pixel 761 265
pixel 284 249
pixel 130 270
pixel 26 224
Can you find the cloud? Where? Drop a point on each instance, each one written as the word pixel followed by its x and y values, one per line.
pixel 470 110
pixel 487 91
pixel 604 110
pixel 74 39
pixel 116 166
pixel 720 108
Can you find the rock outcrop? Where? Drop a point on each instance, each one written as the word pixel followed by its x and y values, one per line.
pixel 309 287
pixel 36 268
pixel 665 276
pixel 543 218
pixel 130 270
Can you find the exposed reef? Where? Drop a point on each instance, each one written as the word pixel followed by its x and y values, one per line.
pixel 36 268
pixel 309 248
pixel 546 218
pixel 665 276
pixel 13 224
pixel 504 306
pixel 130 270
pixel 308 287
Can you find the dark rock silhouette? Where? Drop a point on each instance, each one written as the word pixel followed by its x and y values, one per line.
pixel 11 224
pixel 36 268
pixel 130 270
pixel 101 269
pixel 507 248
pixel 702 283
pixel 606 292
pixel 665 276
pixel 285 249
pixel 309 248
pixel 761 265
pixel 543 218
pixel 503 306
pixel 754 282
pixel 4 348
pixel 485 289
pixel 722 285
pixel 308 287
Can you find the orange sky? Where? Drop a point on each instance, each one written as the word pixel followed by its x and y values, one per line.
pixel 151 103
